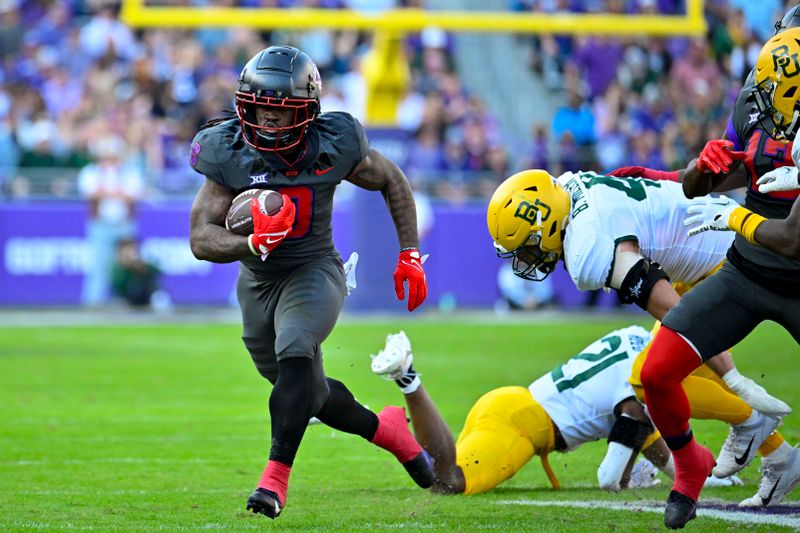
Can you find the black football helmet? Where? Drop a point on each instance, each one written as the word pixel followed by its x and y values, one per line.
pixel 790 20
pixel 279 76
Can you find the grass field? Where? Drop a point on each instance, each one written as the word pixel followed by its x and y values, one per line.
pixel 164 427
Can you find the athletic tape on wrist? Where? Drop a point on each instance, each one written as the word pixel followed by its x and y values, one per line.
pixel 744 222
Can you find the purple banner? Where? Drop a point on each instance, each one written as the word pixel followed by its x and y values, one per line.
pixel 44 255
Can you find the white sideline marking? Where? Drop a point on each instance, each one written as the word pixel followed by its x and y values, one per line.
pixel 652 507
pixel 30 524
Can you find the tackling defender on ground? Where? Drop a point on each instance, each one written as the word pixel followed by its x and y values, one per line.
pixel 628 234
pixel 583 400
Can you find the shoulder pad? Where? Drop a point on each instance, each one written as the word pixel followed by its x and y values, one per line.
pixel 211 148
pixel 340 126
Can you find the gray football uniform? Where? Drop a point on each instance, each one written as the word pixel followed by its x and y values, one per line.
pixel 289 302
pixel 756 284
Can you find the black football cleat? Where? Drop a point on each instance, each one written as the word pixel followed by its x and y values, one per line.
pixel 265 502
pixel 679 510
pixel 420 468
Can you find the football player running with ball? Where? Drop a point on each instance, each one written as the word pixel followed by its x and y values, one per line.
pixel 628 234
pixel 291 280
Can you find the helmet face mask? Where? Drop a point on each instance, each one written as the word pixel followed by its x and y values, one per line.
pixel 274 138
pixel 771 119
pixel 529 261
pixel 282 81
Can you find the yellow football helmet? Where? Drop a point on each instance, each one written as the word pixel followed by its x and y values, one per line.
pixel 777 89
pixel 526 219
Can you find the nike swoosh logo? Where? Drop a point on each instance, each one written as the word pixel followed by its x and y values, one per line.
pixel 741 460
pixel 270 240
pixel 416 266
pixel 320 172
pixel 769 498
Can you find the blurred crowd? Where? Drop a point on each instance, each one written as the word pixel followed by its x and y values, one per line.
pixel 644 101
pixel 73 76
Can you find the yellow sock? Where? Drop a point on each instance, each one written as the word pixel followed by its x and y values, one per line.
pixel 771 444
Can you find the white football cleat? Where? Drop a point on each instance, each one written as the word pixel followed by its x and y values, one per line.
pixel 743 442
pixel 714 481
pixel 778 478
pixel 394 360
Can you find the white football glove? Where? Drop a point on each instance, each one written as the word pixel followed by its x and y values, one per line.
pixel 780 179
pixel 644 475
pixel 709 213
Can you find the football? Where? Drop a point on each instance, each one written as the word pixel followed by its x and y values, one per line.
pixel 239 219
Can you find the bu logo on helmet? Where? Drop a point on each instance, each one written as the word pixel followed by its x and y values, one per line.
pixel 527 211
pixel 783 62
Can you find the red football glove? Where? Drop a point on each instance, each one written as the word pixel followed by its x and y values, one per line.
pixel 269 231
pixel 409 268
pixel 717 157
pixel 644 172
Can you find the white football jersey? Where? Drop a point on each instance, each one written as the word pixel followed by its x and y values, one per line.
pixel 581 394
pixel 607 210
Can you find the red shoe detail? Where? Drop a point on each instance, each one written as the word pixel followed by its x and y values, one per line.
pixel 276 479
pixel 393 434
pixel 693 464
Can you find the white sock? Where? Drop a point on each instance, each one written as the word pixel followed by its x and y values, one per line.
pixel 411 387
pixel 410 381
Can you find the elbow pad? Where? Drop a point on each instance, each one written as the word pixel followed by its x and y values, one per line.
pixel 639 282
pixel 630 432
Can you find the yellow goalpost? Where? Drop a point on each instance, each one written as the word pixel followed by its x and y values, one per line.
pixel 385 67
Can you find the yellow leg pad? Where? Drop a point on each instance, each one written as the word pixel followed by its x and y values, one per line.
pixel 709 397
pixel 503 431
pixel 709 401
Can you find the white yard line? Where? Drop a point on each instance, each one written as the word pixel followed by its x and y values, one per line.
pixel 792 521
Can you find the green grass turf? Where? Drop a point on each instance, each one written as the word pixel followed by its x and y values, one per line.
pixel 165 427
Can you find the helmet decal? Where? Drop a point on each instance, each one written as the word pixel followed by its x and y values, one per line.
pixel 784 63
pixel 528 211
